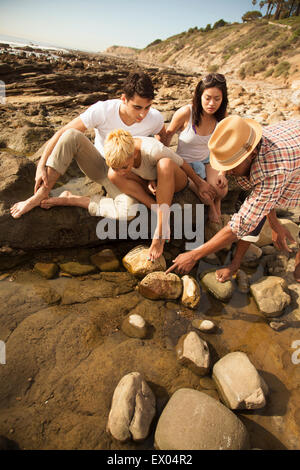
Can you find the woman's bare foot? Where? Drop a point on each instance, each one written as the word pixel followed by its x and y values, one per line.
pixel 20 208
pixel 224 274
pixel 297 267
pixel 156 249
pixel 157 246
pixel 56 201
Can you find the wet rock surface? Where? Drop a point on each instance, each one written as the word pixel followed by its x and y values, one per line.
pixel 65 349
pixel 66 354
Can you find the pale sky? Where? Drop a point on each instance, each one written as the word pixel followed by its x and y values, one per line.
pixel 94 25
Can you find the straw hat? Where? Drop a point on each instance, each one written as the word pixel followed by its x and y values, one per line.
pixel 233 140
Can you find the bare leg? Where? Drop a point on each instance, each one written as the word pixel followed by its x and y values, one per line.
pixel 212 178
pixel 213 213
pixel 297 267
pixel 224 274
pixel 20 208
pixel 170 178
pixel 66 198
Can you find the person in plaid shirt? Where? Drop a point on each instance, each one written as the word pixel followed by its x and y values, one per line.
pixel 267 161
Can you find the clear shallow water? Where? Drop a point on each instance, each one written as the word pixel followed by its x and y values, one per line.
pixel 241 327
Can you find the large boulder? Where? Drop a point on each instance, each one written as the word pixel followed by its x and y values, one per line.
pixel 58 227
pixel 137 262
pixel 193 420
pixel 159 285
pixel 132 409
pixel 238 382
pixel 270 294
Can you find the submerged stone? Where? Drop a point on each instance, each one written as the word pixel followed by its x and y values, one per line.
pixel 77 269
pixel 220 290
pixel 47 270
pixel 134 326
pixel 105 260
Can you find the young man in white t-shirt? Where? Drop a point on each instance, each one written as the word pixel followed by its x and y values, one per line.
pixel 132 112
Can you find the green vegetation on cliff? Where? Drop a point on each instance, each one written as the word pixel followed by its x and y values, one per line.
pixel 255 47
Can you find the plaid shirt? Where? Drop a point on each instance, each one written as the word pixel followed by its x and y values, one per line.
pixel 274 177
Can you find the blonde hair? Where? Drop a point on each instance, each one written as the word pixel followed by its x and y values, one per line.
pixel 118 148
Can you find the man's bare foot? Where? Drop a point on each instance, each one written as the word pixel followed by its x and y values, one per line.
pixel 156 249
pixel 20 208
pixel 56 201
pixel 297 267
pixel 224 274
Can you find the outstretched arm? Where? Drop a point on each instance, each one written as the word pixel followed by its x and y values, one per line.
pixel 185 262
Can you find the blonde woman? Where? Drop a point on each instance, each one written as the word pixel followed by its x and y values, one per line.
pixel 145 169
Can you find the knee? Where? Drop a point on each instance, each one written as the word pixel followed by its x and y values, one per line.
pixel 112 176
pixel 165 165
pixel 126 207
pixel 71 134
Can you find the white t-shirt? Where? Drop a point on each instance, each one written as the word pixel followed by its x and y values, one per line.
pixel 104 117
pixel 151 151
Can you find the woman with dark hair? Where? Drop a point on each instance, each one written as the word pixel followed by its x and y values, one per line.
pixel 195 123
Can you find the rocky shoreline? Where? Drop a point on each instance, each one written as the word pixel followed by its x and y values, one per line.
pixel 76 322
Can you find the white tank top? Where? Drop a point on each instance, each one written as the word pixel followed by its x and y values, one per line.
pixel 191 146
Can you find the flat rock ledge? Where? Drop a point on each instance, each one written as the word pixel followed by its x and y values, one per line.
pixel 238 382
pixel 193 420
pixel 132 410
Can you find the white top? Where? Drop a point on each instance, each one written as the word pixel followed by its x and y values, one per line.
pixel 151 151
pixel 191 146
pixel 104 117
